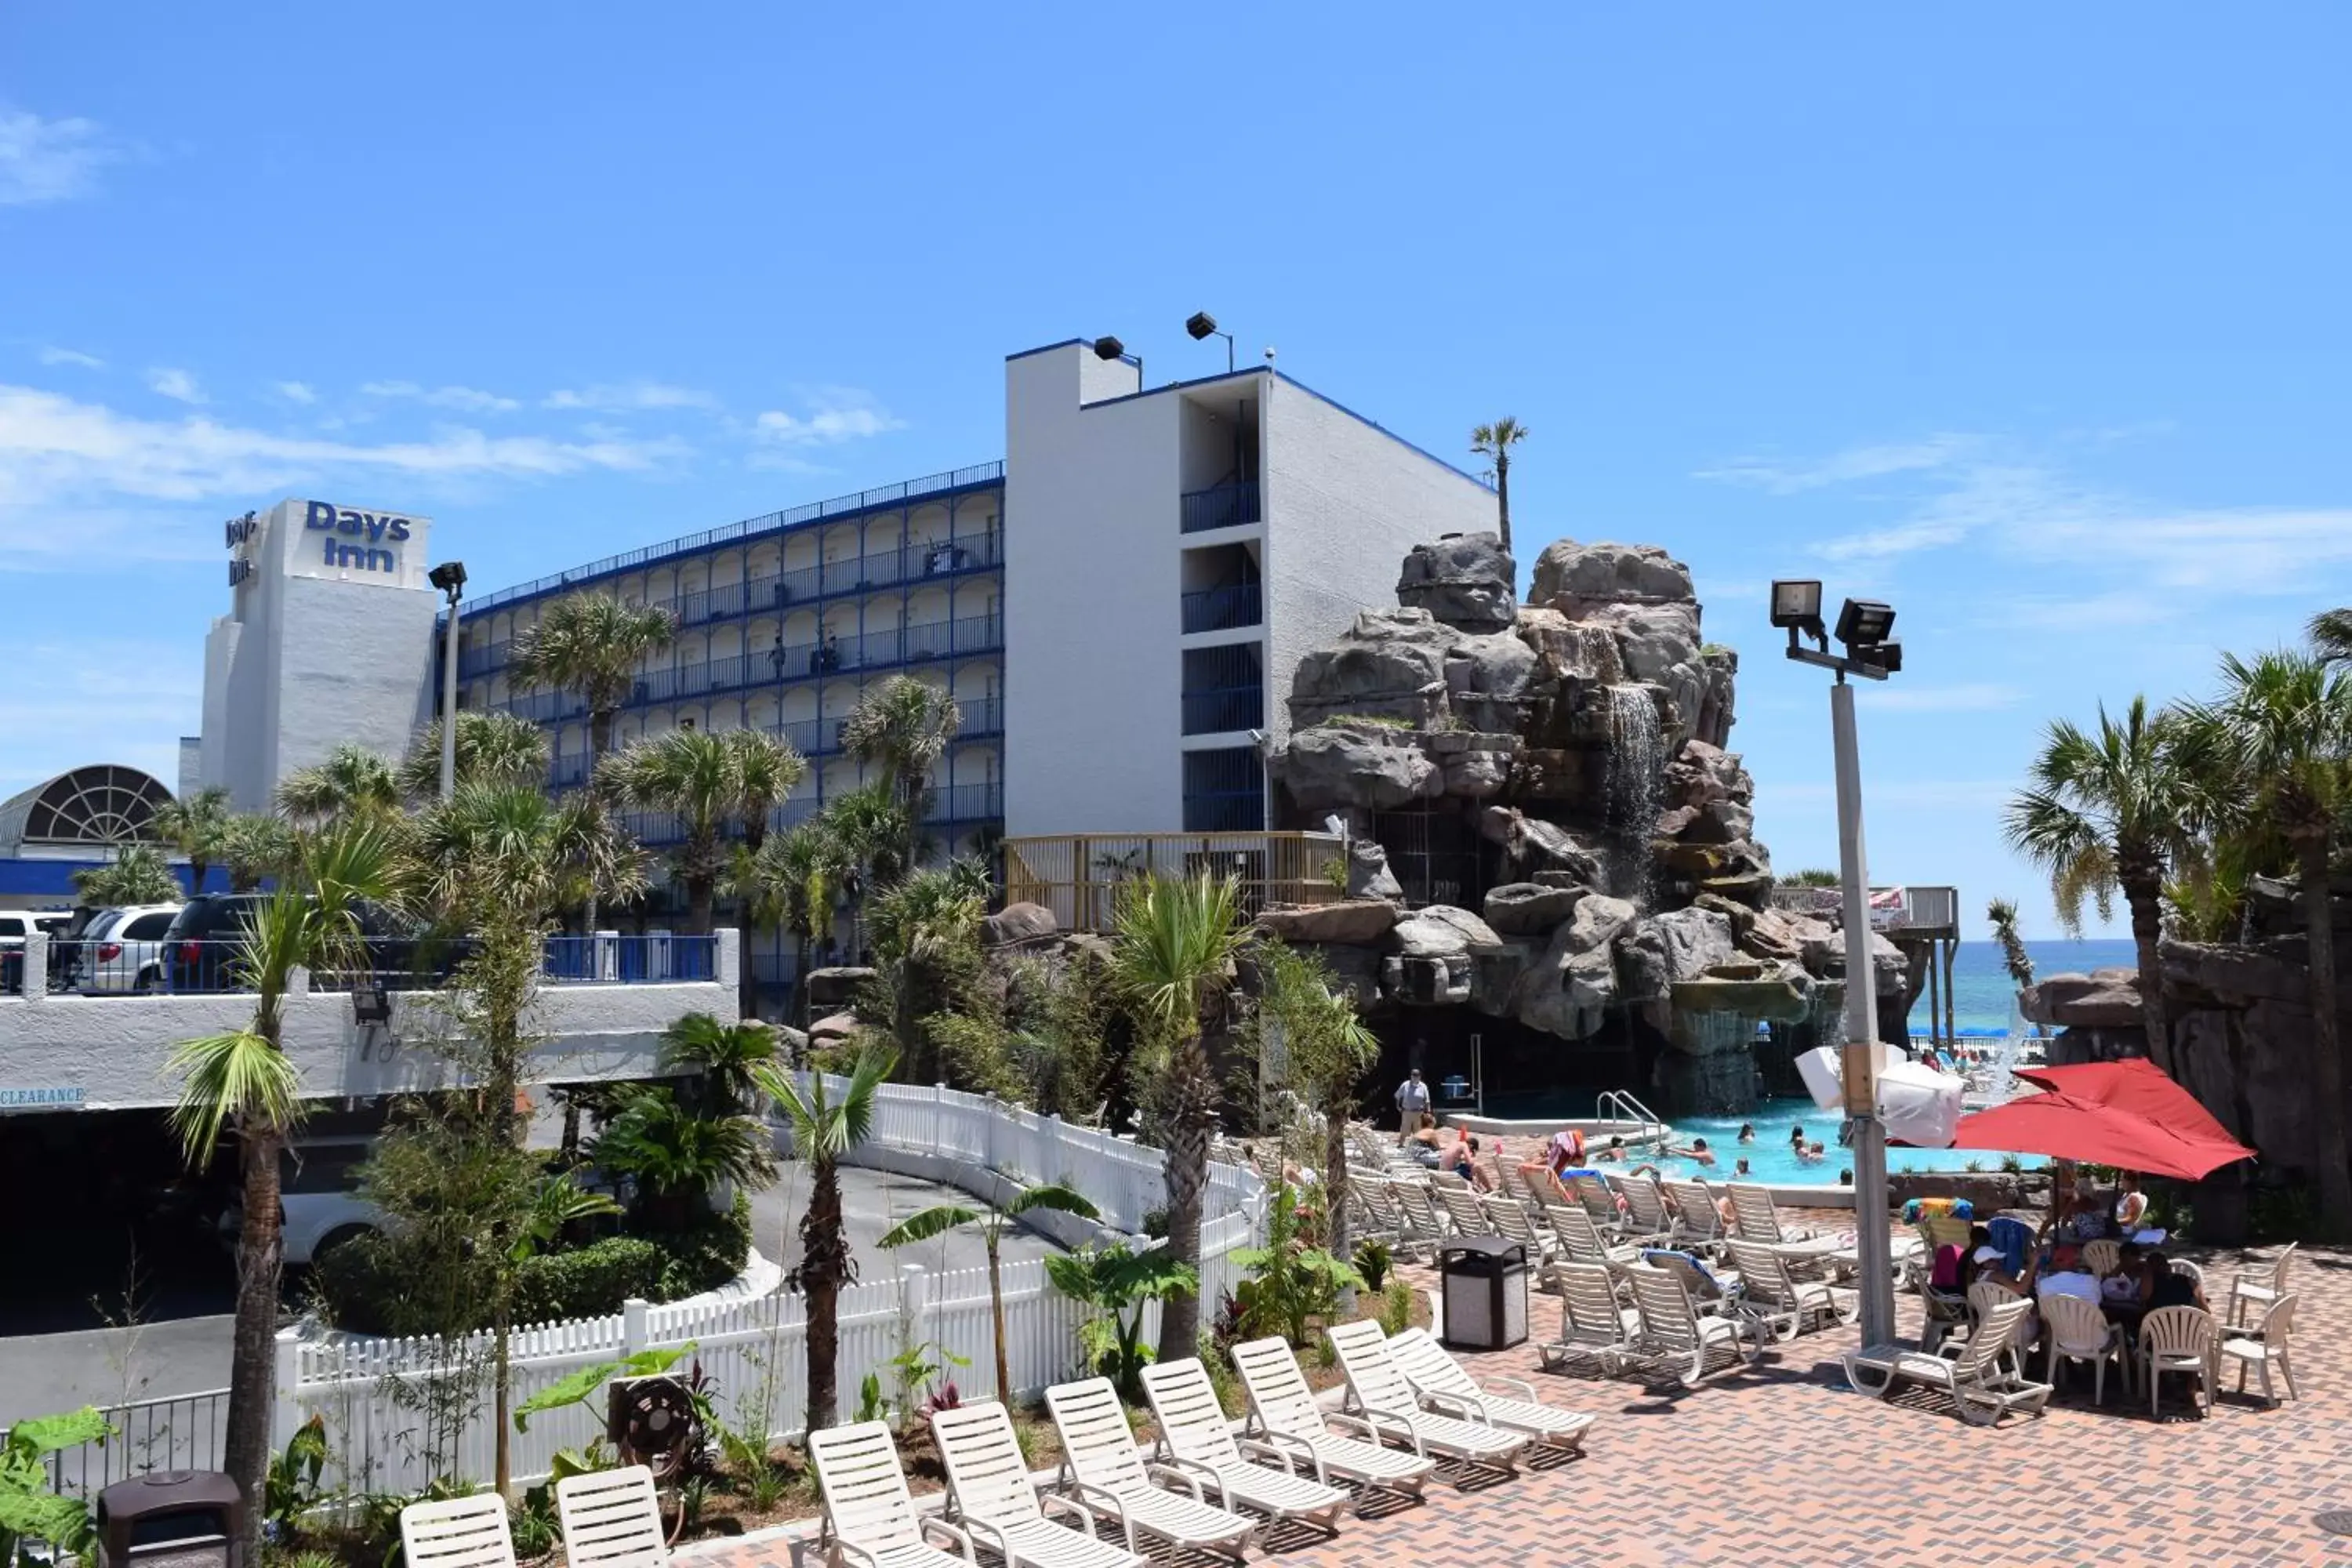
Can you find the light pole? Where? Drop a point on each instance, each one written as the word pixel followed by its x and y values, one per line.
pixel 1862 627
pixel 1202 325
pixel 450 578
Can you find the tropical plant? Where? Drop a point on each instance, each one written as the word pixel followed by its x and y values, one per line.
pixel 689 774
pixel 1494 442
pixel 1374 1261
pixel 727 1056
pixel 2331 636
pixel 585 1389
pixel 804 870
pixel 1118 1283
pixel 30 1510
pixel 1307 1036
pixel 196 827
pixel 1172 956
pixel 677 1157
pixel 2001 915
pixel 2280 733
pixel 137 875
pixel 767 769
pixel 827 1123
pixel 493 748
pixel 1292 1283
pixel 2115 809
pixel 904 725
pixel 242 1083
pixel 292 1487
pixel 506 855
pixel 256 846
pixel 925 936
pixel 351 782
pixel 1811 877
pixel 1396 1308
pixel 992 1218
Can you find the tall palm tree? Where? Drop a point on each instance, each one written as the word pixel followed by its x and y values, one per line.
pixel 351 782
pixel 2001 915
pixel 2282 728
pixel 802 872
pixel 870 834
pixel 926 933
pixel 1494 442
pixel 589 644
pixel 904 725
pixel 2113 811
pixel 992 1218
pixel 243 1084
pixel 2331 636
pixel 767 771
pixel 253 845
pixel 137 875
pixel 826 1123
pixel 689 773
pixel 196 827
pixel 1174 945
pixel 493 748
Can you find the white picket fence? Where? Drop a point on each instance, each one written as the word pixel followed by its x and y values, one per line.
pixel 372 1393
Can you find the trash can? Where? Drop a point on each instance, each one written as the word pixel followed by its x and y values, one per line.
pixel 1483 1281
pixel 171 1519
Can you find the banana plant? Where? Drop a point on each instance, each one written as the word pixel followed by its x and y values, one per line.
pixel 992 1218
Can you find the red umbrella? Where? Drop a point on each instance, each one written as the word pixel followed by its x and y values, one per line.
pixel 2126 1114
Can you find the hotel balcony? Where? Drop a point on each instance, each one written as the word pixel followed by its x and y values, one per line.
pixel 1221 506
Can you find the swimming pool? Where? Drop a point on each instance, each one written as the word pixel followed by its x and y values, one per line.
pixel 1770 1159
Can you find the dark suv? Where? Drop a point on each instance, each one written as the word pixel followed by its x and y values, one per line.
pixel 202 950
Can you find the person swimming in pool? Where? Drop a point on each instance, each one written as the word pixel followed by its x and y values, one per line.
pixel 1698 1150
pixel 1796 1138
pixel 1740 1171
pixel 1811 1154
pixel 1616 1150
pixel 1747 1133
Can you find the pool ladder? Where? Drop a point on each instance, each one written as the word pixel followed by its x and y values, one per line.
pixel 1619 1105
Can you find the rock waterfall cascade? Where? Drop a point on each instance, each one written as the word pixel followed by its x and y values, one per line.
pixel 1565 759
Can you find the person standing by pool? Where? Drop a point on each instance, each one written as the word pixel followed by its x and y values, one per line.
pixel 1412 1103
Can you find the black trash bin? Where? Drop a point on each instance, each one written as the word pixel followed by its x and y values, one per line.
pixel 171 1519
pixel 1483 1281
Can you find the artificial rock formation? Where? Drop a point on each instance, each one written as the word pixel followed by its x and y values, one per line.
pixel 1571 749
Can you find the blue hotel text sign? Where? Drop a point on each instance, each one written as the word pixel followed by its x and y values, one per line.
pixel 355 540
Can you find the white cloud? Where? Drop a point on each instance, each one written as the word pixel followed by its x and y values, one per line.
pixel 52 354
pixel 621 397
pixel 176 384
pixel 1899 540
pixel 1785 477
pixel 49 159
pixel 468 399
pixel 1967 698
pixel 71 703
pixel 298 392
pixel 834 415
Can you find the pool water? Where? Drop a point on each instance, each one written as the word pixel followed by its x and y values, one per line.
pixel 1771 1160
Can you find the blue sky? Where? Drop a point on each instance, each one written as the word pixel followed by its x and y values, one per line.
pixel 2028 318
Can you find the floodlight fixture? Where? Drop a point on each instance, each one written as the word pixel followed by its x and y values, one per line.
pixel 1864 623
pixel 449 578
pixel 1797 604
pixel 1109 347
pixel 1202 324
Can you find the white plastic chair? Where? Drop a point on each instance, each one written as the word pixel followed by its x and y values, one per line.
pixel 1646 1217
pixel 869 1520
pixel 992 1497
pixel 1378 1391
pixel 1581 1240
pixel 463 1532
pixel 1982 1392
pixel 1196 1438
pixel 1445 1387
pixel 1282 1412
pixel 2256 1289
pixel 1109 1478
pixel 610 1519
pixel 1592 1325
pixel 1672 1330
pixel 1697 1222
pixel 2074 1329
pixel 1468 1215
pixel 2263 1344
pixel 2183 1340
pixel 1770 1290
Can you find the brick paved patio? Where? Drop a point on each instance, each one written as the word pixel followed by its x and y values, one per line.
pixel 1784 1463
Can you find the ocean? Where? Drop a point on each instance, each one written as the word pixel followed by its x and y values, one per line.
pixel 1983 996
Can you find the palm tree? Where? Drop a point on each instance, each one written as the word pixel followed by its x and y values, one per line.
pixel 137 875
pixel 802 872
pixel 493 748
pixel 2331 636
pixel 925 932
pixel 498 852
pixel 869 834
pixel 2001 914
pixel 1328 1051
pixel 1494 442
pixel 351 782
pixel 2282 730
pixel 690 775
pixel 2110 811
pixel 767 769
pixel 727 1055
pixel 242 1083
pixel 992 1220
pixel 824 1129
pixel 196 827
pixel 255 844
pixel 1173 948
pixel 904 725
pixel 677 1157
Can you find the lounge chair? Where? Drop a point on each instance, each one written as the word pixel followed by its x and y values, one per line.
pixel 2076 1330
pixel 1697 1222
pixel 1758 1220
pixel 2184 1340
pixel 463 1532
pixel 1446 1388
pixel 2261 1345
pixel 990 1495
pixel 1593 1326
pixel 2258 1287
pixel 869 1520
pixel 1982 1391
pixel 1511 1223
pixel 1647 1221
pixel 1421 1228
pixel 1674 1330
pixel 610 1519
pixel 1282 1412
pixel 1108 1478
pixel 1378 1391
pixel 1598 1201
pixel 1770 1290
pixel 1581 1240
pixel 1195 1437
pixel 1469 1216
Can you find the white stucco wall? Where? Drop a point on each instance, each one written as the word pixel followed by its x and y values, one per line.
pixel 1344 500
pixel 115 1048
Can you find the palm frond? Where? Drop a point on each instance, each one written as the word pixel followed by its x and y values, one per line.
pixel 230 1078
pixel 1053 1196
pixel 927 1224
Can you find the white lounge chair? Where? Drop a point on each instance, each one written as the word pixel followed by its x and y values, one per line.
pixel 1758 1220
pixel 1594 1195
pixel 1108 1478
pixel 2261 1345
pixel 1647 1221
pixel 1510 1221
pixel 2076 1330
pixel 1770 1290
pixel 1196 1438
pixel 463 1532
pixel 1378 1391
pixel 610 1519
pixel 990 1495
pixel 1284 1414
pixel 1674 1332
pixel 1982 1391
pixel 1446 1388
pixel 1697 1222
pixel 2183 1340
pixel 1422 1229
pixel 1581 1240
pixel 1593 1326
pixel 1469 1216
pixel 869 1520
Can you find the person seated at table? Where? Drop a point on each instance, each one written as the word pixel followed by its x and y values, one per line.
pixel 1987 1266
pixel 2161 1284
pixel 2064 1276
pixel 2128 1283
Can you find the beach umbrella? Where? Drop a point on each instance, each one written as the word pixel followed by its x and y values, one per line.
pixel 2134 1084
pixel 2127 1114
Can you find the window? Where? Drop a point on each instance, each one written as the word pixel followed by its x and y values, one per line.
pixel 324 1168
pixel 14 925
pixel 148 927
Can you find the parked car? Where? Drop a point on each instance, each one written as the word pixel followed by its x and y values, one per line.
pixel 319 1181
pixel 121 951
pixel 15 925
pixel 202 946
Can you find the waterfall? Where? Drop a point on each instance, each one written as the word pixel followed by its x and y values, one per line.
pixel 1637 764
pixel 2001 1085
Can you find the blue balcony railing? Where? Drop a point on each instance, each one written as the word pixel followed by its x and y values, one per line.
pixel 964 803
pixel 1224 709
pixel 1222 609
pixel 637 960
pixel 1221 506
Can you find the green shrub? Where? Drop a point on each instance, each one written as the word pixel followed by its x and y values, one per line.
pixel 1377 721
pixel 589 1281
pixel 1373 1261
pixel 706 1255
pixel 1396 1308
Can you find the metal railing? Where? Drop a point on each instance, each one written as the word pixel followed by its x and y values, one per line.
pixel 1893 908
pixel 1224 709
pixel 182 1432
pixel 964 803
pixel 638 959
pixel 1222 609
pixel 212 966
pixel 1221 506
pixel 1079 876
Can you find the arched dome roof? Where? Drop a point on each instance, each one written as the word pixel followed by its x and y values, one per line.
pixel 101 803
